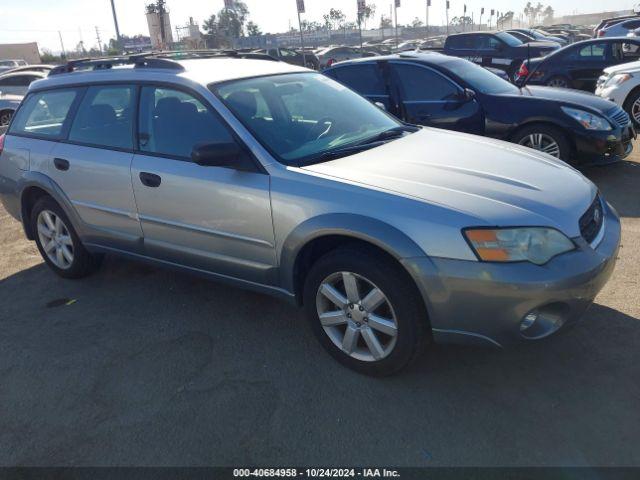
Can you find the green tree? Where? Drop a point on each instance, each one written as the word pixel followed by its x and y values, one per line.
pixel 231 21
pixel 416 23
pixel 368 13
pixel 253 30
pixel 548 14
pixel 385 22
pixel 211 25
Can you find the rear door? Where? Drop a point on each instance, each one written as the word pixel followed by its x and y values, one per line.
pixel 586 63
pixel 368 79
pixel 427 97
pixel 208 218
pixel 93 165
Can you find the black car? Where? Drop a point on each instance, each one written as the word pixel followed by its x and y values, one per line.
pixel 455 94
pixel 294 57
pixel 579 65
pixel 495 49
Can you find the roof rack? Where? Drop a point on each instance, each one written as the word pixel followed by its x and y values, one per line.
pixel 138 61
pixel 194 54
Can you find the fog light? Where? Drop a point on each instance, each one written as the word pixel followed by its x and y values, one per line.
pixel 528 322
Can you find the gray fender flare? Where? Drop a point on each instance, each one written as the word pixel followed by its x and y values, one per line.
pixel 359 227
pixel 43 182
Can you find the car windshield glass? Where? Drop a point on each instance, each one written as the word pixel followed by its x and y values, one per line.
pixel 301 117
pixel 479 78
pixel 508 39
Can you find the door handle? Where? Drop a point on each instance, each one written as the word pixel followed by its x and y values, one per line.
pixel 61 164
pixel 150 179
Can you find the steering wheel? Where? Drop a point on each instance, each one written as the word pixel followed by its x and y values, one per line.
pixel 320 129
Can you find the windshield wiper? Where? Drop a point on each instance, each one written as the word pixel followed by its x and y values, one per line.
pixel 342 152
pixel 392 133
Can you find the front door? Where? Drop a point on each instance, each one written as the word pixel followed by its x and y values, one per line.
pixel 208 218
pixel 429 98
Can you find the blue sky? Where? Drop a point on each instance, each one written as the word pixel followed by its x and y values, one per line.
pixel 40 20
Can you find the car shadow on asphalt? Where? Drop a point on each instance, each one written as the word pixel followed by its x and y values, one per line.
pixel 620 184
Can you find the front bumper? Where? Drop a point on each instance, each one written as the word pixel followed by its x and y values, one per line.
pixel 602 148
pixel 486 303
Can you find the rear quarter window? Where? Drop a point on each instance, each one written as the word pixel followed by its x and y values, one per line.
pixel 44 113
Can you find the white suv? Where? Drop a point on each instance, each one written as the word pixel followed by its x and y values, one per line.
pixel 621 84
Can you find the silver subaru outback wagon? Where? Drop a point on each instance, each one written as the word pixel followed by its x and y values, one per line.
pixel 278 179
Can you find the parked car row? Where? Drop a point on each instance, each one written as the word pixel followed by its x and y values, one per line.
pixel 14 84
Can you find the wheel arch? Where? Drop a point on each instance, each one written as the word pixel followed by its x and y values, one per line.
pixel 629 97
pixel 34 186
pixel 317 236
pixel 545 123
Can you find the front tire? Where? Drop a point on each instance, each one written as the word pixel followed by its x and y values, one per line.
pixel 59 243
pixel 632 107
pixel 545 139
pixel 366 311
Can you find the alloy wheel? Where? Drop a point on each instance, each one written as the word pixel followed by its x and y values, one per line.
pixel 5 118
pixel 541 142
pixel 357 316
pixel 558 83
pixel 635 111
pixel 55 239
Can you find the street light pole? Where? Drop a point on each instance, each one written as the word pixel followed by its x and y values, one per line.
pixel 115 22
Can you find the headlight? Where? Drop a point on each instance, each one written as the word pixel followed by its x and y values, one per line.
pixel 588 120
pixel 618 79
pixel 535 245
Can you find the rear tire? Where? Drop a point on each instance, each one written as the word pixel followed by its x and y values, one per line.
pixel 545 138
pixel 559 82
pixel 59 243
pixel 373 318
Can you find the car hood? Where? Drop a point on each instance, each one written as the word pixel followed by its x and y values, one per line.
pixel 496 183
pixel 566 95
pixel 631 67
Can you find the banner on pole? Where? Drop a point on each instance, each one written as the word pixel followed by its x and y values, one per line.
pixel 447 5
pixel 300 6
pixel 362 5
pixel 397 3
pixel 228 3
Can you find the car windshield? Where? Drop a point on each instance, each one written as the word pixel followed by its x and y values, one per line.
pixel 480 79
pixel 302 117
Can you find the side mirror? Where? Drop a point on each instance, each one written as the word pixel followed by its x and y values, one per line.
pixel 468 94
pixel 380 105
pixel 222 154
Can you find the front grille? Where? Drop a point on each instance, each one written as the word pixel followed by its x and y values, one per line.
pixel 592 221
pixel 619 116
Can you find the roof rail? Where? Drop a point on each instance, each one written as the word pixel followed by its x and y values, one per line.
pixel 138 61
pixel 194 54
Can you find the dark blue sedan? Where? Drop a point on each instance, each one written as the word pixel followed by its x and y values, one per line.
pixel 452 93
pixel 579 65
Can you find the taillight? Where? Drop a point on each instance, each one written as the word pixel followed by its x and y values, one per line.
pixel 331 62
pixel 524 71
pixel 601 33
pixel 2 137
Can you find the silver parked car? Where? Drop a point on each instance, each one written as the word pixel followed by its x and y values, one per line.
pixel 18 83
pixel 274 178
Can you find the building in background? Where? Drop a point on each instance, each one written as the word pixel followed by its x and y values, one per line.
pixel 159 25
pixel 190 36
pixel 21 51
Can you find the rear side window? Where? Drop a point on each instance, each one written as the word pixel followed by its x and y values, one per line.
pixel 17 81
pixel 365 79
pixel 173 122
pixel 44 113
pixel 421 84
pixel 104 117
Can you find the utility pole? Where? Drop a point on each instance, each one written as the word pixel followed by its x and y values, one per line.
pixel 64 53
pixel 115 23
pixel 428 5
pixel 447 12
pixel 395 13
pixel 301 10
pixel 99 40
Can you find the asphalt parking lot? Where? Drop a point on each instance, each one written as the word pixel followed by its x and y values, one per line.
pixel 142 366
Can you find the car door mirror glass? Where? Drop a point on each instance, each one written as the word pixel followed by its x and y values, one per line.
pixel 218 154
